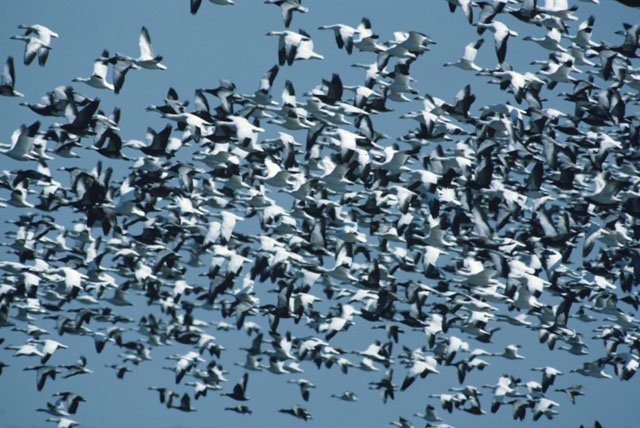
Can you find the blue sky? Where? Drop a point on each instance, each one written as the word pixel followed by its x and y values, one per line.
pixel 230 43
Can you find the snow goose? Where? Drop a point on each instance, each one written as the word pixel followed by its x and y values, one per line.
pixel 367 41
pixel 287 7
pixel 147 59
pixel 344 35
pixel 49 347
pixel 71 399
pixel 288 44
pixel 22 142
pixel 305 387
pixel 593 369
pixel 98 78
pixel 305 48
pixel 467 62
pixel 501 34
pixel 551 41
pixel 43 33
pixel 38 39
pixel 34 47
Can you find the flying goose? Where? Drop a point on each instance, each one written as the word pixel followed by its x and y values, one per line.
pixel 43 33
pixel 147 59
pixel 240 389
pixel 467 62
pixel 550 42
pixel 346 396
pixel 38 42
pixel 287 7
pixel 343 34
pixel 288 45
pixel 185 404
pixel 22 142
pixel 305 387
pixel 72 400
pixel 501 34
pixel 298 412
pixel 98 78
pixel 241 409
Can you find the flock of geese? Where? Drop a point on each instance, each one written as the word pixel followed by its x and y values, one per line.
pixel 524 213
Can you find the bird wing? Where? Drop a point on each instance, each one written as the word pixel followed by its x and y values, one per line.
pixel 195 5
pixel 8 73
pixel 471 50
pixel 144 42
pixel 100 69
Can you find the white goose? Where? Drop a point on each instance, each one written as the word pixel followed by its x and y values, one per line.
pixel 98 78
pixel 467 62
pixel 38 42
pixel 501 34
pixel 22 142
pixel 34 47
pixel 147 59
pixel 344 35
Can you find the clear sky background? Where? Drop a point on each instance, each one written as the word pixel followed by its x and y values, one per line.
pixel 230 43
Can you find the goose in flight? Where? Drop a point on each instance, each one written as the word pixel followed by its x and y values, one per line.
pixel 38 42
pixel 298 412
pixel 147 59
pixel 22 142
pixel 293 46
pixel 43 33
pixel 501 34
pixel 343 34
pixel 467 62
pixel 239 391
pixel 241 409
pixel 33 47
pixel 27 350
pixel 8 80
pixel 551 41
pixel 185 404
pixel 593 369
pixel 54 409
pixel 305 387
pixel 165 395
pixel 346 396
pixel 287 7
pixel 120 66
pixel 71 400
pixel 49 347
pixel 98 78
pixel 572 391
pixel 305 49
